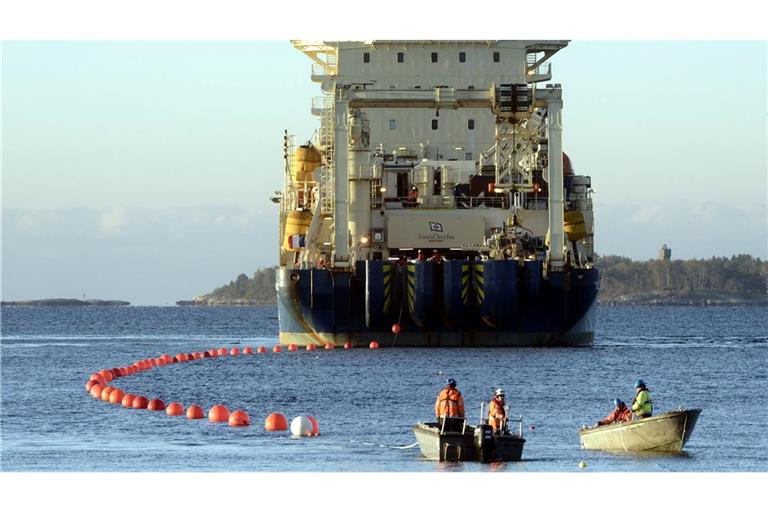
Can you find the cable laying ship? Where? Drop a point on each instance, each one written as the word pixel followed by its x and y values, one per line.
pixel 435 206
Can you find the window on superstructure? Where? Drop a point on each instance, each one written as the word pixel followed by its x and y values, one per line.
pixel 467 156
pixel 434 124
pixel 366 57
pixel 496 56
pixel 470 124
pixel 470 87
pixel 400 57
pixel 392 124
pixel 434 57
pixel 462 57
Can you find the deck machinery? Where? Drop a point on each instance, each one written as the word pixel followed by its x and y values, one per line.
pixel 435 206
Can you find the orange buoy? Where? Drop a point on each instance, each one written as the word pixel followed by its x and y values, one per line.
pixel 107 375
pixel 292 347
pixel 116 396
pixel 105 393
pixel 96 390
pixel 140 402
pixel 127 400
pixel 239 419
pixel 315 426
pixel 168 358
pixel 115 372
pixel 156 405
pixel 348 345
pixel 222 351
pixel 329 346
pixel 190 356
pixel 174 409
pixel 234 352
pixel 276 421
pixel 277 348
pixel 311 347
pixel 195 412
pixel 374 344
pixel 247 350
pixel 396 328
pixel 90 384
pixel 209 353
pixel 197 355
pixel 261 350
pixel 159 361
pixel 99 377
pixel 218 414
pixel 182 358
pixel 152 362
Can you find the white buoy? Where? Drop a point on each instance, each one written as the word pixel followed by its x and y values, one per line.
pixel 301 426
pixel 582 464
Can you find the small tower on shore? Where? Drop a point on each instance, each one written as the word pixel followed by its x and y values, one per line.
pixel 665 253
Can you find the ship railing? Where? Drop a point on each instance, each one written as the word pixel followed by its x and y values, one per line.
pixel 322 105
pixel 539 73
pixel 323 72
pixel 464 202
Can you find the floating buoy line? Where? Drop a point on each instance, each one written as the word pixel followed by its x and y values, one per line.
pixel 100 388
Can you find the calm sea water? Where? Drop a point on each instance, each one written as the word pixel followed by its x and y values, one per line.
pixel 364 400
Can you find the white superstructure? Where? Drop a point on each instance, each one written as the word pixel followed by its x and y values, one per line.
pixel 462 123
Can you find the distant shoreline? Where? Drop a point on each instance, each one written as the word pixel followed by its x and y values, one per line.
pixel 65 302
pixel 655 298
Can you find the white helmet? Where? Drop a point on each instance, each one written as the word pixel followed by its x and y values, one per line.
pixel 499 392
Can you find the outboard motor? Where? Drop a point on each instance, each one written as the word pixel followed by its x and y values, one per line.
pixel 484 443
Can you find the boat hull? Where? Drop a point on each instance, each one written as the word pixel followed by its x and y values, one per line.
pixel 458 446
pixel 666 433
pixel 320 306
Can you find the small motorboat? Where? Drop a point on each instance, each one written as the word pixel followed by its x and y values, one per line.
pixel 455 440
pixel 667 433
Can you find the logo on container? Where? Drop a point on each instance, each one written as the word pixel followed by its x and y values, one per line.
pixel 435 226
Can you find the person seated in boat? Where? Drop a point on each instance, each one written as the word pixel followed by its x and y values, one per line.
pixel 436 258
pixel 620 414
pixel 497 415
pixel 420 256
pixel 642 405
pixel 449 407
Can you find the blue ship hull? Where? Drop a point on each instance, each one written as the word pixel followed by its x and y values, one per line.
pixel 450 304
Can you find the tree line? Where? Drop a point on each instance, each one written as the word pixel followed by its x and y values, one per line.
pixel 741 275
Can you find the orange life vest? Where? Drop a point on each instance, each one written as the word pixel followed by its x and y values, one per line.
pixel 617 416
pixel 449 404
pixel 496 413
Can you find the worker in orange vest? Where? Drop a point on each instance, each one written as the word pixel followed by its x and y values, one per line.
pixel 449 405
pixel 496 412
pixel 620 414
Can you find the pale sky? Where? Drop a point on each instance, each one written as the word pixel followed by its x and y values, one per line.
pixel 141 170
